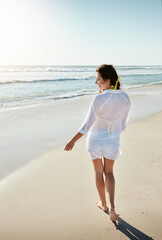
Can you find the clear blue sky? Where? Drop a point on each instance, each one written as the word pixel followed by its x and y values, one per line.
pixel 120 32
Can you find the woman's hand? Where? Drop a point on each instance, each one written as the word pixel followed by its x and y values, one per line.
pixel 69 146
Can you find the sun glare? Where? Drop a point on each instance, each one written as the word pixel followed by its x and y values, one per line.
pixel 20 23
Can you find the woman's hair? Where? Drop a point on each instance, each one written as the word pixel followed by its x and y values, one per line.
pixel 108 72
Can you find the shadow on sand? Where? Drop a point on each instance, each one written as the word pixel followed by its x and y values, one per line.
pixel 130 231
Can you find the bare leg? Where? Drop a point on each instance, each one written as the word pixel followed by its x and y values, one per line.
pixel 99 180
pixel 110 186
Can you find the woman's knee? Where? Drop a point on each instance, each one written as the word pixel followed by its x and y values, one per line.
pixel 98 167
pixel 99 174
pixel 108 167
pixel 108 173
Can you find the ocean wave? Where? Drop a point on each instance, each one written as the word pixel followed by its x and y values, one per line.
pixel 141 85
pixel 138 67
pixel 90 77
pixel 47 80
pixel 47 69
pixel 50 68
pixel 140 74
pixel 21 103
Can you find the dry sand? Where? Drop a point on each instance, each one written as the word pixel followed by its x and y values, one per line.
pixel 53 197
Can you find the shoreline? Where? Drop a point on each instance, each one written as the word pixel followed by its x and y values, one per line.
pixel 43 104
pixel 37 201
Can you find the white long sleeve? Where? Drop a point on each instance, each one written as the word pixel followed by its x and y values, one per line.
pixel 91 116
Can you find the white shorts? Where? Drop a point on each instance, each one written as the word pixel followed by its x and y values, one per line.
pixel 103 146
pixel 95 155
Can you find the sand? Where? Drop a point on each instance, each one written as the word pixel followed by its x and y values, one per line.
pixel 53 196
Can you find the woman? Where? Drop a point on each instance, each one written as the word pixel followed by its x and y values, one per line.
pixel 106 119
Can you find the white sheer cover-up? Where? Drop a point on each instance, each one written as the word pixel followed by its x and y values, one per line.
pixel 107 117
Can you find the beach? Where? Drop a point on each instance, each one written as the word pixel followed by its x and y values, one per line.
pixel 56 60
pixel 48 193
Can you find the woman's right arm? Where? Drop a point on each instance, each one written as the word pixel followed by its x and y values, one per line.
pixel 70 144
pixel 89 121
pixel 91 116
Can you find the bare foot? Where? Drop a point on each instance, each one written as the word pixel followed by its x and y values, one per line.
pixel 100 205
pixel 113 215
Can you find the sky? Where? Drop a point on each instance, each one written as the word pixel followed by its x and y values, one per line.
pixel 80 32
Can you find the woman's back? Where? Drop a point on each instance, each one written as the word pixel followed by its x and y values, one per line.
pixel 111 108
pixel 108 114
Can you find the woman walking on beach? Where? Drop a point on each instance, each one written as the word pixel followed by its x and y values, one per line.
pixel 106 119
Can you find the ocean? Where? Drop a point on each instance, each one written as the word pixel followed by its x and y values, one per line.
pixel 30 85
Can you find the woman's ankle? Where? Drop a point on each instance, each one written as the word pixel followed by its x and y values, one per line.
pixel 112 208
pixel 103 203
